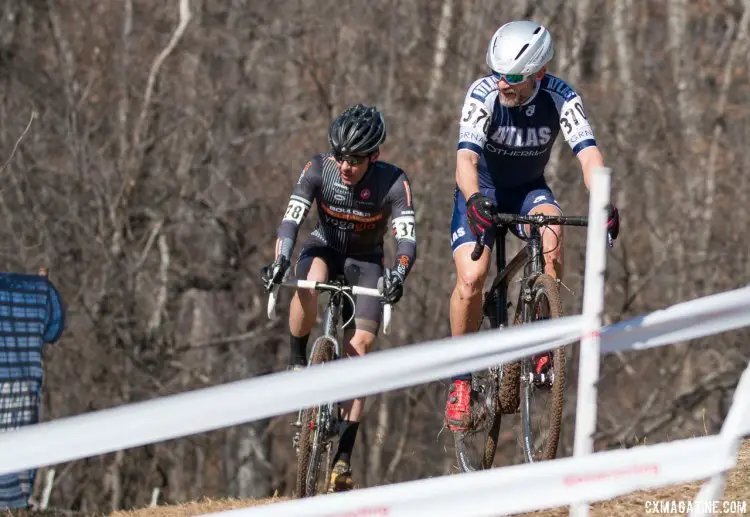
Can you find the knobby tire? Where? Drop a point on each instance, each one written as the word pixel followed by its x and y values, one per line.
pixel 308 464
pixel 545 288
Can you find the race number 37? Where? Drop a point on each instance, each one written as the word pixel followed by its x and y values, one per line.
pixel 476 115
pixel 403 228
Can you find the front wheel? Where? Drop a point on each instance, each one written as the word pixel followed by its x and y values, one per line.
pixel 316 423
pixel 542 395
pixel 475 448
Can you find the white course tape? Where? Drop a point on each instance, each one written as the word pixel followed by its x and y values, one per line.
pixel 222 406
pixel 689 320
pixel 207 409
pixel 520 488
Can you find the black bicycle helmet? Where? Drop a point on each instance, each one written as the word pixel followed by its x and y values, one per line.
pixel 357 131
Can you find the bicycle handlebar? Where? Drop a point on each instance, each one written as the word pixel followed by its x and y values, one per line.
pixel 323 286
pixel 534 220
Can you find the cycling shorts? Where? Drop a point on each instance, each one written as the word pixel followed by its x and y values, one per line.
pixel 362 270
pixel 516 200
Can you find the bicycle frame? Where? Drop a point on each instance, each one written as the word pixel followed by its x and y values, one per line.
pixel 498 396
pixel 497 296
pixel 327 416
pixel 330 323
pixel 530 257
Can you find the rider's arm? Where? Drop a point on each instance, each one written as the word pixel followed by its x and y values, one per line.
pixel 472 133
pixel 577 131
pixel 467 177
pixel 590 158
pixel 403 223
pixel 299 205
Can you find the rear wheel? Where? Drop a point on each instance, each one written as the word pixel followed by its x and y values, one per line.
pixel 542 398
pixel 314 435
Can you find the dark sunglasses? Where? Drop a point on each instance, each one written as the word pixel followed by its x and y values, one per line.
pixel 353 160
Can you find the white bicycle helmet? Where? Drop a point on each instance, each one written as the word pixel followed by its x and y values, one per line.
pixel 519 47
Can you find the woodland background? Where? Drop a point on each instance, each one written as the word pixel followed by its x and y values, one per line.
pixel 161 141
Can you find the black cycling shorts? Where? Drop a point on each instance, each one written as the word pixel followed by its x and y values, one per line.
pixel 361 270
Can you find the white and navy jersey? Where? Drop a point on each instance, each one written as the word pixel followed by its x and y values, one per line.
pixel 514 144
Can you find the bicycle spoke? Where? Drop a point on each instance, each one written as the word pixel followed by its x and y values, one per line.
pixel 543 395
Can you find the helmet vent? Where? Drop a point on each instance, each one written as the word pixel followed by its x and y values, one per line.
pixel 537 30
pixel 523 49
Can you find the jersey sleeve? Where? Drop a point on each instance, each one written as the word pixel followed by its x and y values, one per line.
pixel 300 202
pixel 476 115
pixel 403 224
pixel 574 123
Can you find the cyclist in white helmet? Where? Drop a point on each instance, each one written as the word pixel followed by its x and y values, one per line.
pixel 509 122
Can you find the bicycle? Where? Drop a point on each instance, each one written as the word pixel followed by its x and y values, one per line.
pixel 499 389
pixel 319 425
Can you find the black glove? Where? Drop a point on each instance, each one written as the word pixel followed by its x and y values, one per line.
pixel 274 273
pixel 479 212
pixel 391 285
pixel 613 221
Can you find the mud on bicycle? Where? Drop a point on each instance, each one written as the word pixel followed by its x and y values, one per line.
pixel 516 387
pixel 318 426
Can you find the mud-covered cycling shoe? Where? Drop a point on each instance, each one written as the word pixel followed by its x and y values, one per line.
pixel 341 478
pixel 458 406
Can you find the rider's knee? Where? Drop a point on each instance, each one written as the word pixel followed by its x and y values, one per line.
pixel 308 299
pixel 470 281
pixel 360 342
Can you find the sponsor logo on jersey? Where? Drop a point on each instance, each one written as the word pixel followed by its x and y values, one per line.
pixel 403 264
pixel 482 89
pixel 517 153
pixel 519 137
pixel 350 214
pixel 365 193
pixel 352 226
pixel 560 87
pixel 582 134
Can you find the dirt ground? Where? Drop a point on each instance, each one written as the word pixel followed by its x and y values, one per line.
pixel 737 489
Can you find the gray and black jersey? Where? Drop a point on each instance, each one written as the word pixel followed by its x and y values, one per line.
pixel 352 219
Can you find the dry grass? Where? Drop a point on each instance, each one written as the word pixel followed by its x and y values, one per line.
pixel 196 508
pixel 631 505
pixel 737 489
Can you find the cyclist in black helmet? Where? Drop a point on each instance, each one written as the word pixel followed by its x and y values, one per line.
pixel 356 195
